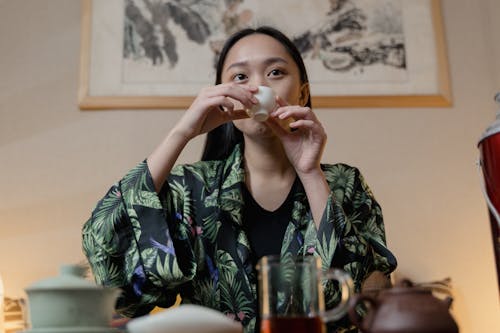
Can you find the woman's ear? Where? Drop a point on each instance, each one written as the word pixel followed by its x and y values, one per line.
pixel 304 94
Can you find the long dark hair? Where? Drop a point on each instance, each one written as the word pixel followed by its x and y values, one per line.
pixel 221 141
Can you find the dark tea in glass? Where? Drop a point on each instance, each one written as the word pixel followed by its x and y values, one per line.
pixel 291 296
pixel 292 325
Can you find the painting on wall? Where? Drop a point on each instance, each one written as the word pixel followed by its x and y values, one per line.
pixel 143 54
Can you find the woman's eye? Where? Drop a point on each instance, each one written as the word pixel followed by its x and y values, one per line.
pixel 276 72
pixel 239 77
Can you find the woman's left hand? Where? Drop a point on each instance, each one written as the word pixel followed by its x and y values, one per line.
pixel 305 142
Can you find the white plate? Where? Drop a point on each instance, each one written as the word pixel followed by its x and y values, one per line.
pixel 187 318
pixel 72 330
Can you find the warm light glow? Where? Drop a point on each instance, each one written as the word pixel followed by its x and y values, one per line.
pixel 2 328
pixel 12 312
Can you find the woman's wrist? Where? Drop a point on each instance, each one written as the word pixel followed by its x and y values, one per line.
pixel 181 135
pixel 311 175
pixel 314 181
pixel 163 158
pixel 317 192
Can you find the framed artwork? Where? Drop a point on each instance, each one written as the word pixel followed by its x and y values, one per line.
pixel 157 54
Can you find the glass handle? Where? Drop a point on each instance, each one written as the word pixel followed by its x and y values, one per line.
pixel 346 292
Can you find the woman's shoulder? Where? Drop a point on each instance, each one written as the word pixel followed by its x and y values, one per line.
pixel 346 179
pixel 339 171
pixel 212 170
pixel 208 175
pixel 203 169
pixel 342 176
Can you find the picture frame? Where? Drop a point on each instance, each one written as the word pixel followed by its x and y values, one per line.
pixel 361 66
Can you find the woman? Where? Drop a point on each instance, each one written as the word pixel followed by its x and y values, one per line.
pixel 197 230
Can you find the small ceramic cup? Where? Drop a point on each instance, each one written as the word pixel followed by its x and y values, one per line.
pixel 267 103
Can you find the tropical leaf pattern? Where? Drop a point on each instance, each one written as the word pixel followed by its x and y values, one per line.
pixel 190 239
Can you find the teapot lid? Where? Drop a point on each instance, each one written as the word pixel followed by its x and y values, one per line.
pixel 70 277
pixel 494 128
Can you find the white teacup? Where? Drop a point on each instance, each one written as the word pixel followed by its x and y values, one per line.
pixel 267 103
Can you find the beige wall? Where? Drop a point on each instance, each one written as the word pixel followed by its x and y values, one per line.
pixel 57 161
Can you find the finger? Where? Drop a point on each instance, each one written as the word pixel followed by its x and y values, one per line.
pixel 238 114
pixel 222 103
pixel 280 127
pixel 228 110
pixel 304 124
pixel 294 111
pixel 241 93
pixel 220 89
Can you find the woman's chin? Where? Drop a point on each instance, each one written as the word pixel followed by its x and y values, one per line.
pixel 251 128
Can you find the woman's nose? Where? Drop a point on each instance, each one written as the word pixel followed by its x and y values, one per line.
pixel 259 81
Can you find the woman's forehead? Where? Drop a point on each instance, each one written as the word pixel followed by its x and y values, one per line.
pixel 254 47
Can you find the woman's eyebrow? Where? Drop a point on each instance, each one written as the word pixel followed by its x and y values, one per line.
pixel 274 60
pixel 267 62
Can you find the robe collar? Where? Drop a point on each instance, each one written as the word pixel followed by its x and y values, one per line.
pixel 231 193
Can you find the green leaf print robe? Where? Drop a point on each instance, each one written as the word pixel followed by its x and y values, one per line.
pixel 189 239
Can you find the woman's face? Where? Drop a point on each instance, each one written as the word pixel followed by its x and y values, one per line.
pixel 261 60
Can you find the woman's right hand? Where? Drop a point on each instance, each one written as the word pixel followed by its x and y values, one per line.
pixel 214 106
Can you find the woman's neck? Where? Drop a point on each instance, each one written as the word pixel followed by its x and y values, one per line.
pixel 269 173
pixel 267 158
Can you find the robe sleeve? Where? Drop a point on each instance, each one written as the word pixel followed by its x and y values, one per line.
pixel 351 234
pixel 139 241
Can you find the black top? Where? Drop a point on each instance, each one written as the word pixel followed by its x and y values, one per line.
pixel 266 229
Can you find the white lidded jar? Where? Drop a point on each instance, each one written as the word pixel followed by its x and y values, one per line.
pixel 70 303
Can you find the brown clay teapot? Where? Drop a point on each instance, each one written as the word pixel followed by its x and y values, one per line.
pixel 403 309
